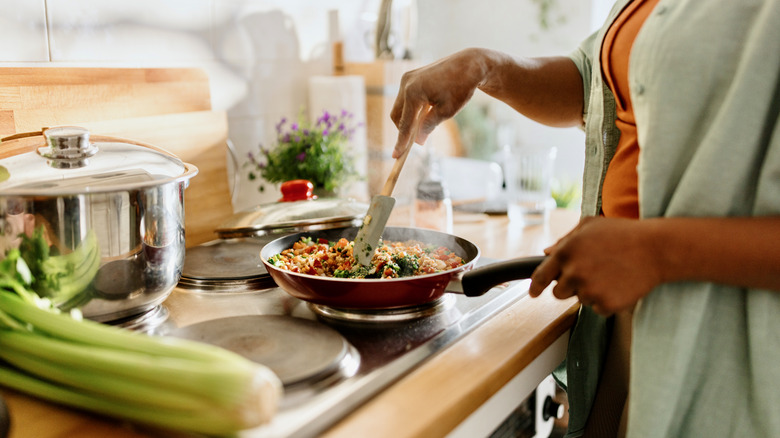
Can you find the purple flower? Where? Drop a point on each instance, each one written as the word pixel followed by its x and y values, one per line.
pixel 301 156
pixel 294 127
pixel 324 132
pixel 324 118
pixel 280 124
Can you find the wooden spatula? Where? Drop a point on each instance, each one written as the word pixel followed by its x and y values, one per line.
pixel 382 204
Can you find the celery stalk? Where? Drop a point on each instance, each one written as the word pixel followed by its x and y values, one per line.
pixel 222 383
pixel 124 390
pixel 97 334
pixel 163 381
pixel 10 323
pixel 18 288
pixel 208 422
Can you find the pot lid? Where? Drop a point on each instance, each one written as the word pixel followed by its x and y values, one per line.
pixel 290 217
pixel 66 162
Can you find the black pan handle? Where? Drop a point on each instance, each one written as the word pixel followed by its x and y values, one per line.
pixel 480 280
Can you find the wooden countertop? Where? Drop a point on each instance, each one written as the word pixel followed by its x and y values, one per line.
pixel 430 401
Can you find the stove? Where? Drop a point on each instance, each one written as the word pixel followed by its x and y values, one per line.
pixel 330 360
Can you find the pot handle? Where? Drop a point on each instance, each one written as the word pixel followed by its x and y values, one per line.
pixel 480 280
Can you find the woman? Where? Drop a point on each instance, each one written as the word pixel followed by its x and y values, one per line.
pixel 680 102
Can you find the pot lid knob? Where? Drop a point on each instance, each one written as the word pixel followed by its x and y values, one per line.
pixel 67 147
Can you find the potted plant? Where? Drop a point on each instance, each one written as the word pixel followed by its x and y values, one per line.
pixel 318 152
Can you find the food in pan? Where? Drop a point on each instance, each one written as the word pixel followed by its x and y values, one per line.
pixel 392 259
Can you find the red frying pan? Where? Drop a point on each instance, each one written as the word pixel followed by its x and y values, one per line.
pixel 373 293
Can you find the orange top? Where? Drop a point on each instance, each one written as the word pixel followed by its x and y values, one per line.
pixel 619 196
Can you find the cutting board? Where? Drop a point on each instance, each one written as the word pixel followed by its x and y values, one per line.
pixel 168 108
pixel 30 97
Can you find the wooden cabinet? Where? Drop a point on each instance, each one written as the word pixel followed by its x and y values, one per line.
pixel 168 108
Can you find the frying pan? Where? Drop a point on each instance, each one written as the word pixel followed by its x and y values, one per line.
pixel 373 293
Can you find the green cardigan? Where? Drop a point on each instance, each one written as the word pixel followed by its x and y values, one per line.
pixel 705 86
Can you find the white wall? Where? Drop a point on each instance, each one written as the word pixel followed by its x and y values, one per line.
pixel 259 53
pixel 513 27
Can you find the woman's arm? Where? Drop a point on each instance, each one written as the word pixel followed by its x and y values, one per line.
pixel 736 251
pixel 547 90
pixel 612 263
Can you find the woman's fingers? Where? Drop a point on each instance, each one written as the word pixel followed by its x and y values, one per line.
pixel 547 272
pixel 566 287
pixel 406 128
pixel 446 85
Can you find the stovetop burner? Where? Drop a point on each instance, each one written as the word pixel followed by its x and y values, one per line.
pixel 259 282
pixel 396 314
pixel 226 265
pixel 338 358
pixel 276 342
pixel 220 259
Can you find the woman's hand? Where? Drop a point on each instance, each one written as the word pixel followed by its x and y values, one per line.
pixel 609 263
pixel 612 263
pixel 447 84
pixel 547 90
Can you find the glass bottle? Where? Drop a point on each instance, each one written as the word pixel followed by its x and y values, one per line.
pixel 432 203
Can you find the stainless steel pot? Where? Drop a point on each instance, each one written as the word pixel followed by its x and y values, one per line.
pixel 120 198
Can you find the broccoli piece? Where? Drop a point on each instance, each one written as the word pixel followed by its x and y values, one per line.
pixel 342 273
pixel 359 271
pixel 407 265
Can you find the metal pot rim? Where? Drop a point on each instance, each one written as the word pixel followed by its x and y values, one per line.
pixel 190 170
pixel 82 166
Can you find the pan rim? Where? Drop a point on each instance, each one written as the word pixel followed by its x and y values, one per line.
pixel 449 272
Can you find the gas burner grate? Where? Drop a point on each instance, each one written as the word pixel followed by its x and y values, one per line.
pixel 435 307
